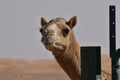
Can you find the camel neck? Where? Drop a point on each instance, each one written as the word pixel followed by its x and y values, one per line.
pixel 70 61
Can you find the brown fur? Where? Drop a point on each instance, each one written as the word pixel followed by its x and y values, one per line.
pixel 67 52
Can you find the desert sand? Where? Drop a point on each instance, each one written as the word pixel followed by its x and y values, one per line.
pixel 24 69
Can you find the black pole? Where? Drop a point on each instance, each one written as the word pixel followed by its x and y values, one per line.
pixel 112 32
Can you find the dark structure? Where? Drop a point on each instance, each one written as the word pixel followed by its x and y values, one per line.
pixel 112 33
pixel 91 63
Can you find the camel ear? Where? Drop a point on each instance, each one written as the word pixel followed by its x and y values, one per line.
pixel 43 21
pixel 72 22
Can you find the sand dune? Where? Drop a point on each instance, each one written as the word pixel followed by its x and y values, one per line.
pixel 21 69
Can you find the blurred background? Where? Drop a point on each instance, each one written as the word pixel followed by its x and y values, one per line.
pixel 20 24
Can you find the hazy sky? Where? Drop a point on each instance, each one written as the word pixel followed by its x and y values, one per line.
pixel 20 23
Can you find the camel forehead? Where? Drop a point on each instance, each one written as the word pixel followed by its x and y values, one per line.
pixel 57 23
pixel 53 26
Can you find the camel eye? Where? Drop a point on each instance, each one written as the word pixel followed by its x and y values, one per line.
pixel 65 32
pixel 41 30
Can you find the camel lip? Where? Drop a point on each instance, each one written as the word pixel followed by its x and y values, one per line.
pixel 58 44
pixel 48 43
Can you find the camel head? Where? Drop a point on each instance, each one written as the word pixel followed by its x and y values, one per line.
pixel 56 33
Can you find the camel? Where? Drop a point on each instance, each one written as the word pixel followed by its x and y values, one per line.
pixel 58 37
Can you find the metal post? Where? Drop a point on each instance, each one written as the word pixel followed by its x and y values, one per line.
pixel 112 31
pixel 113 53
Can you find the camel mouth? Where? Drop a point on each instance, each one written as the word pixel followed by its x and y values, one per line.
pixel 48 43
pixel 58 44
pixel 47 40
pixel 54 46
